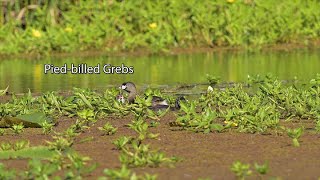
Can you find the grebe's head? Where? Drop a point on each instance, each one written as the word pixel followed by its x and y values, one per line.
pixel 128 86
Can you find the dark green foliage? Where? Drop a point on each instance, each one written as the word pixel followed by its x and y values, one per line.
pixel 113 25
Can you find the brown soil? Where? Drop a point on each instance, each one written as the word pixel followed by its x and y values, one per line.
pixel 204 155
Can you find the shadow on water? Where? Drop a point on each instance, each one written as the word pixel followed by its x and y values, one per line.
pixel 159 71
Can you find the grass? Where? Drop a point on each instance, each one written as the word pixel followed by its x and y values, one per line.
pixel 158 26
pixel 259 107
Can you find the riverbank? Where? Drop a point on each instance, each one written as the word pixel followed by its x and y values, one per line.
pixel 117 28
pixel 285 47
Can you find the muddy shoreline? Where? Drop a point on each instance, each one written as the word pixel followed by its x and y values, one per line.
pixel 203 155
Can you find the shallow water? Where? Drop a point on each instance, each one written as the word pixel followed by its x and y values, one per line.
pixel 159 71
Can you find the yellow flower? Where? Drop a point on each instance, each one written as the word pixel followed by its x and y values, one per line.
pixel 153 25
pixel 68 29
pixel 230 1
pixel 36 33
pixel 232 124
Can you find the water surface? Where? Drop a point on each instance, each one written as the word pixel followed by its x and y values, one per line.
pixel 22 74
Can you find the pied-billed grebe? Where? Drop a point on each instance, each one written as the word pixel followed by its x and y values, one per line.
pixel 120 98
pixel 156 102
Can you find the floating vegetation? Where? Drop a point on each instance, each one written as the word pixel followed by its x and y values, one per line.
pixel 261 106
pixel 135 153
pixel 108 129
pixel 258 108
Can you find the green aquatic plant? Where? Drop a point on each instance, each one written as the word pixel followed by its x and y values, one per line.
pixel 122 141
pixel 135 153
pixel 261 169
pixel 5 146
pixel 213 80
pixel 83 103
pixel 79 126
pixel 259 79
pixel 154 124
pixel 39 170
pixel 140 155
pixel 32 119
pixel 4 91
pixel 6 173
pixel 316 81
pixel 60 143
pixel 108 129
pixel 21 144
pixel 2 131
pixel 258 119
pixel 78 166
pixel 16 146
pixel 254 79
pixel 47 127
pixel 241 170
pixel 48 164
pixel 125 173
pixel 70 133
pixel 83 98
pixel 188 113
pixel 17 128
pixel 206 121
pixel 71 164
pixel 235 108
pixel 141 108
pixel 88 115
pixel 51 102
pixel 140 126
pixel 317 126
pixel 295 134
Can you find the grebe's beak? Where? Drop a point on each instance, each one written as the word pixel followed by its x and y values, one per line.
pixel 123 87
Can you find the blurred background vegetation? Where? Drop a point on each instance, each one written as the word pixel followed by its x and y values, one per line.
pixel 45 26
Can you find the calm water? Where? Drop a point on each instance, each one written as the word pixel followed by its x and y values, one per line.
pixel 23 74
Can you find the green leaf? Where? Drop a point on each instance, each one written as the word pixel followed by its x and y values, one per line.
pixel 84 99
pixel 3 92
pixel 33 120
pixel 148 92
pixel 32 152
pixel 217 127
